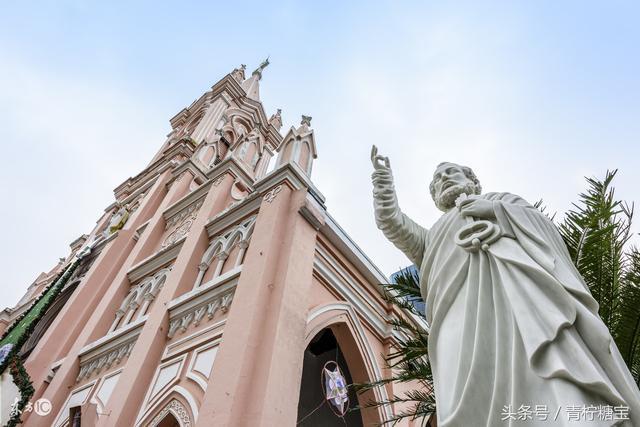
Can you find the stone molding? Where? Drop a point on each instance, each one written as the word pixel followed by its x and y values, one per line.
pixel 273 193
pixel 177 409
pixel 154 262
pixel 133 184
pixel 233 214
pixel 201 304
pixel 373 312
pixel 181 223
pixel 108 351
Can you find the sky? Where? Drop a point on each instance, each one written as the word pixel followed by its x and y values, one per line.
pixel 534 96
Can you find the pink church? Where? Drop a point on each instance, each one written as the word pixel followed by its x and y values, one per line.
pixel 217 288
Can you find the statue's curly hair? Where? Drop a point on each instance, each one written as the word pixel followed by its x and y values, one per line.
pixel 468 172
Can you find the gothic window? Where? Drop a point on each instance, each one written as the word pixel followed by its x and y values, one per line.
pixel 207 154
pixel 193 124
pixel 225 252
pixel 139 299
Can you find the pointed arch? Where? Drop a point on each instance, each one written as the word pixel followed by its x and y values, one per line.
pixel 207 153
pixel 178 401
pixel 343 321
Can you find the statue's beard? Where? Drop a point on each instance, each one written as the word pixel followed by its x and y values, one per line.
pixel 447 199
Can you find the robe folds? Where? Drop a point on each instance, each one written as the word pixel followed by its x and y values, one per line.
pixel 514 330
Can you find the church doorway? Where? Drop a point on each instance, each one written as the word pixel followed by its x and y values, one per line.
pixel 313 407
pixel 168 421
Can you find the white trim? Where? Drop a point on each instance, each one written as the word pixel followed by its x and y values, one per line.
pixel 352 251
pixel 94 398
pixel 196 375
pixel 373 312
pixel 232 215
pixel 193 405
pixel 191 401
pixel 201 294
pixel 60 422
pixel 150 402
pixel 111 340
pixel 154 262
pixel 168 352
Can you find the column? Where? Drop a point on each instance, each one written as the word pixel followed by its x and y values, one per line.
pixel 256 375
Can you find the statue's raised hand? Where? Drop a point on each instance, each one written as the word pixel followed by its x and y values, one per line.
pixel 379 162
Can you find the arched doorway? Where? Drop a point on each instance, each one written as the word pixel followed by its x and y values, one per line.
pixel 168 421
pixel 313 408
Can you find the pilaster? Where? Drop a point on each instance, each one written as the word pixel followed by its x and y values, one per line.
pixel 91 311
pixel 129 392
pixel 256 375
pixel 57 341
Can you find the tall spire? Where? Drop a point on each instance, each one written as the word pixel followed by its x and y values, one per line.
pixel 261 67
pixel 276 119
pixel 251 86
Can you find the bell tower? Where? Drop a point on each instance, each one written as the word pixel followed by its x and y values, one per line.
pixel 206 285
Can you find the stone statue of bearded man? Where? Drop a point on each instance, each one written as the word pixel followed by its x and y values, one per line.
pixel 514 331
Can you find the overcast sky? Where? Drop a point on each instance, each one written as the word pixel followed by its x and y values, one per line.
pixel 533 95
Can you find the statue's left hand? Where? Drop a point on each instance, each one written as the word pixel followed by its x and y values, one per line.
pixel 477 207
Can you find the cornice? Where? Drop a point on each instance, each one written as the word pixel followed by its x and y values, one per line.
pixel 293 174
pixel 184 147
pixel 204 293
pixel 233 214
pixel 336 235
pixel 237 170
pixel 153 263
pixel 341 240
pixel 109 350
pixel 179 119
pixel 109 341
pixel 375 317
pixel 189 165
pixel 230 85
pixel 186 201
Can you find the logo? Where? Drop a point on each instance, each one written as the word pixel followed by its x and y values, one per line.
pixel 42 407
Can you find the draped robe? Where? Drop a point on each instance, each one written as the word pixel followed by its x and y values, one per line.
pixel 513 326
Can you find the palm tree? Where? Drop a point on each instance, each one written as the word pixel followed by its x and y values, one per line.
pixel 597 232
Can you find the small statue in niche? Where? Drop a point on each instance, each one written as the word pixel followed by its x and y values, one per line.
pixel 118 220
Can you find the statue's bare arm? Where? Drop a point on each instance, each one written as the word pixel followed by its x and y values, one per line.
pixel 401 230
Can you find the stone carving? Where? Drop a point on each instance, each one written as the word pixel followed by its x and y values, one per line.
pixel 143 295
pixel 511 321
pixel 117 221
pixel 222 245
pixel 219 180
pixel 271 195
pixel 306 120
pixel 105 361
pixel 196 314
pixel 276 119
pixel 181 223
pixel 238 73
pixel 177 409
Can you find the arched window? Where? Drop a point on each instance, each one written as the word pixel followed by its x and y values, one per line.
pixel 137 302
pixel 225 252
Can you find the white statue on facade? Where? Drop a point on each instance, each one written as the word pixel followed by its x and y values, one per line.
pixel 512 323
pixel 117 220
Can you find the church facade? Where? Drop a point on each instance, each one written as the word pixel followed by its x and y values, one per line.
pixel 217 289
